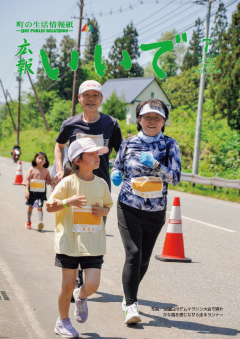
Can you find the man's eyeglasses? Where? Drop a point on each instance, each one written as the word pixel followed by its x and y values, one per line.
pixel 95 96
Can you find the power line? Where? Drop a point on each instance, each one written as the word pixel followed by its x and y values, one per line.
pixel 137 23
pixel 165 17
pixel 148 18
pixel 186 27
pixel 63 17
pixel 204 18
pixel 164 29
pixel 120 9
pixel 10 81
pixel 10 66
pixel 156 25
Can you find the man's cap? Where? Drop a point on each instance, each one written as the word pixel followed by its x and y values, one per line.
pixel 83 145
pixel 147 109
pixel 88 85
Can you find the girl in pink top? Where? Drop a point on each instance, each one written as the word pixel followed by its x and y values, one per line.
pixel 35 181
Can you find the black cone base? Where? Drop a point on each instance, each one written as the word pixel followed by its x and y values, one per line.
pixel 187 260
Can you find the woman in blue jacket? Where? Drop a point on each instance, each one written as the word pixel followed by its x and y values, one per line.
pixel 148 162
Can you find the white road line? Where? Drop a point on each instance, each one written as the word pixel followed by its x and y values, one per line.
pixel 201 222
pixel 205 223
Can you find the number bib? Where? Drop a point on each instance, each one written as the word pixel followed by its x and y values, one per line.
pixel 98 139
pixel 37 185
pixel 147 187
pixel 84 220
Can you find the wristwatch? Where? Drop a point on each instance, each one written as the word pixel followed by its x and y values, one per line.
pixel 157 167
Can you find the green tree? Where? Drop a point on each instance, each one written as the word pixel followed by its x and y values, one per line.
pixel 195 47
pixel 116 107
pixel 183 89
pixel 93 39
pixel 50 47
pixel 169 62
pixel 89 72
pixel 65 85
pixel 128 42
pixel 61 111
pixel 218 30
pixel 225 87
pixel 6 126
pixel 30 114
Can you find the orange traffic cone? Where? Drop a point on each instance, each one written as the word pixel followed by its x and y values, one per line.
pixel 19 178
pixel 173 249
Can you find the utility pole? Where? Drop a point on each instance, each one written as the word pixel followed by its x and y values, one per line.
pixel 38 102
pixel 8 94
pixel 14 126
pixel 5 109
pixel 18 112
pixel 196 154
pixel 78 49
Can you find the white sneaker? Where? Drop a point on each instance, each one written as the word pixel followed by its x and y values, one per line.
pixel 131 315
pixel 65 329
pixel 124 300
pixel 81 308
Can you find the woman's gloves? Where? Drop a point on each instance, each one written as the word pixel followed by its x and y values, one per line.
pixel 116 177
pixel 147 159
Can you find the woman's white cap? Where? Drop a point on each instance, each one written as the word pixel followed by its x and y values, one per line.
pixel 83 145
pixel 147 109
pixel 88 85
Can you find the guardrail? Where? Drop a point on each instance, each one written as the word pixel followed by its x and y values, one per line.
pixel 217 182
pixel 197 179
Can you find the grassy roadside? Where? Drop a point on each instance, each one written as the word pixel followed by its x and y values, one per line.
pixel 223 193
pixel 33 141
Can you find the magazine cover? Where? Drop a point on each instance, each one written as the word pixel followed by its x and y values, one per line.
pixel 155 86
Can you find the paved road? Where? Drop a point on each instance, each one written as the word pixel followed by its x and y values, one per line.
pixel 27 273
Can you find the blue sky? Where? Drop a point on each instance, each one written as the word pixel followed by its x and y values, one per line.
pixel 151 18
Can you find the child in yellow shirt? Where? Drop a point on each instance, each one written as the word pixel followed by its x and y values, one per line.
pixel 79 201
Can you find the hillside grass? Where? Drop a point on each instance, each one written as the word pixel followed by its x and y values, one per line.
pixel 220 148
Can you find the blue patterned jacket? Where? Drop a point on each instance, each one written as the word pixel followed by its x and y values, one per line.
pixel 166 151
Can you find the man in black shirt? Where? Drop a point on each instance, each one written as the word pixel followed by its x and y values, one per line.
pixel 103 129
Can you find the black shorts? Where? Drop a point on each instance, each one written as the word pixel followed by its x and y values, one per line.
pixel 66 261
pixel 36 196
pixel 30 202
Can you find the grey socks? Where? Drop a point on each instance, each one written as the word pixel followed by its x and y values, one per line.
pixel 29 215
pixel 40 216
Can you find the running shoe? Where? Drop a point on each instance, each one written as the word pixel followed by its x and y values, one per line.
pixel 124 300
pixel 65 329
pixel 131 315
pixel 40 226
pixel 81 308
pixel 28 225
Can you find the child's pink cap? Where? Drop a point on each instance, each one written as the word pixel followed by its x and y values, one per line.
pixel 84 145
